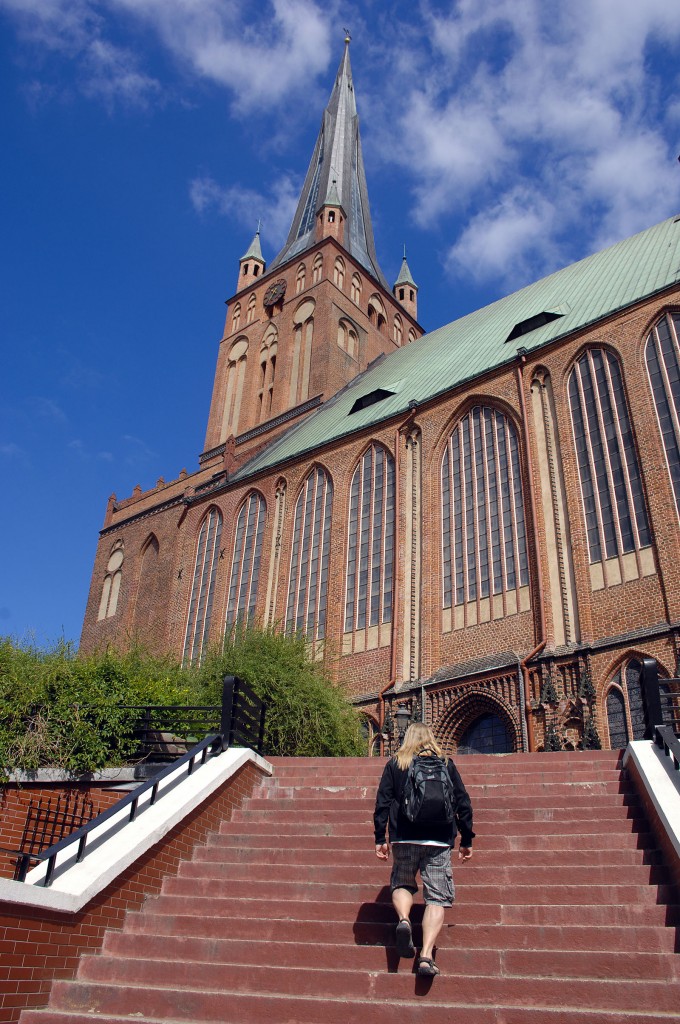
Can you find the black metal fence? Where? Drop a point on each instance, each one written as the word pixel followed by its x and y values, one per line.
pixel 661 699
pixel 165 734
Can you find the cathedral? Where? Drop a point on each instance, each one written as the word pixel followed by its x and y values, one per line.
pixel 479 526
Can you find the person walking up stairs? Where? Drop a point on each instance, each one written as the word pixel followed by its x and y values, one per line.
pixel 566 914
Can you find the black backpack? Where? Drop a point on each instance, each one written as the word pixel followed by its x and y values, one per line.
pixel 428 796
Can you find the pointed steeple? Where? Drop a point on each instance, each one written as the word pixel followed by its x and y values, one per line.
pixel 405 290
pixel 251 264
pixel 336 177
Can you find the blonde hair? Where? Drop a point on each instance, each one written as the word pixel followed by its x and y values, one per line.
pixel 419 737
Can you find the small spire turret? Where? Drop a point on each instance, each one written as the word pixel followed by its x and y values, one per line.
pixel 251 264
pixel 405 290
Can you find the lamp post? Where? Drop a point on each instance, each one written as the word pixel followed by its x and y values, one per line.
pixel 402 718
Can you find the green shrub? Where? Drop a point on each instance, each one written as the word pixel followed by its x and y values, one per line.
pixel 59 709
pixel 307 715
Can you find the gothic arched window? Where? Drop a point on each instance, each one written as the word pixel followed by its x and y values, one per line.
pixel 308 582
pixel 398 330
pixel 370 545
pixel 411 335
pixel 484 534
pixel 347 338
pixel 611 485
pixel 268 351
pixel 317 268
pixel 245 566
pixel 303 321
pixel 339 272
pixel 236 372
pixel 300 279
pixel 202 587
pixel 662 355
pixel 108 603
pixel 250 311
pixel 236 317
pixel 355 289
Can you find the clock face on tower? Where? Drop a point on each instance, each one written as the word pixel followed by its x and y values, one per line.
pixel 274 293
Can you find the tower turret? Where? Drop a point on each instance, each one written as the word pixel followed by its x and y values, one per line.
pixel 251 264
pixel 405 290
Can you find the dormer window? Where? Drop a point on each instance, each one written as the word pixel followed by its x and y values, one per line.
pixel 370 399
pixel 532 323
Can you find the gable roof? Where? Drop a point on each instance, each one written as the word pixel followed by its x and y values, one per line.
pixel 580 295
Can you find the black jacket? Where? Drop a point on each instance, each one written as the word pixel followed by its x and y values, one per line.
pixel 388 808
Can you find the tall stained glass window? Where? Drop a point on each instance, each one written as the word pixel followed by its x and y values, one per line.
pixel 245 566
pixel 203 586
pixel 663 366
pixel 370 548
pixel 611 485
pixel 484 545
pixel 308 583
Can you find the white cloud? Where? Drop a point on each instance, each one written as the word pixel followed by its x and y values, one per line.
pixel 262 55
pixel 10 450
pixel 247 206
pixel 550 118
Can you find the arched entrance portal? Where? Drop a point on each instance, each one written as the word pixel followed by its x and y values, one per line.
pixel 488 734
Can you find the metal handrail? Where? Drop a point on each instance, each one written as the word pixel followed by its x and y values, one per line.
pixel 217 745
pixel 665 738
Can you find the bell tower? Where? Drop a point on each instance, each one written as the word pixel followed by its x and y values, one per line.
pixel 303 326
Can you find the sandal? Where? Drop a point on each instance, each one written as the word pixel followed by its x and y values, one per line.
pixel 427 968
pixel 404 939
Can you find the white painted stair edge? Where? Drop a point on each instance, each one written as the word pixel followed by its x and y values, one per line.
pixel 658 776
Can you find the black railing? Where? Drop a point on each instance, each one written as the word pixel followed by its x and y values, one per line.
pixel 665 738
pixel 242 721
pixel 661 699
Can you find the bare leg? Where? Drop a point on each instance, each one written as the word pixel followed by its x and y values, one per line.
pixel 402 901
pixel 433 919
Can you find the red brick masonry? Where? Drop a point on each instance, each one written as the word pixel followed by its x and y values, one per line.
pixel 37 946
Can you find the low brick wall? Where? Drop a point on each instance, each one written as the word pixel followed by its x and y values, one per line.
pixel 37 946
pixel 14 801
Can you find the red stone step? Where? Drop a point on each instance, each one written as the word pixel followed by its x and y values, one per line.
pixel 161 929
pixel 249 1009
pixel 372 871
pixel 466 911
pixel 334 825
pixel 225 959
pixel 238 835
pixel 220 852
pixel 482 804
pixel 187 991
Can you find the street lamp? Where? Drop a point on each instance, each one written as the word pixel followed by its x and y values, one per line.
pixel 402 718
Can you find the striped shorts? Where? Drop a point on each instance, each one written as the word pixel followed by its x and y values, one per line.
pixel 434 864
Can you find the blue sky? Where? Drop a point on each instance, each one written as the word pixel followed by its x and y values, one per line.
pixel 143 139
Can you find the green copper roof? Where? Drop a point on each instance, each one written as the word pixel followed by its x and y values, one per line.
pixel 254 250
pixel 578 295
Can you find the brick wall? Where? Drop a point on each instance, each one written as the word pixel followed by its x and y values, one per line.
pixel 37 946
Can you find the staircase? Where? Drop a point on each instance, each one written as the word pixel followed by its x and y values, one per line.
pixel 563 915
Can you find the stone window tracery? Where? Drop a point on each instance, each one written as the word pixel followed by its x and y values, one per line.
pixel 662 356
pixel 484 548
pixel 611 483
pixel 370 545
pixel 202 587
pixel 245 566
pixel 308 580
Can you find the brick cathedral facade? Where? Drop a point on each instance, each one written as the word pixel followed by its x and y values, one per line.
pixel 481 524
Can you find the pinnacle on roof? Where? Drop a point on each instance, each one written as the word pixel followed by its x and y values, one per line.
pixel 254 251
pixel 405 275
pixel 336 158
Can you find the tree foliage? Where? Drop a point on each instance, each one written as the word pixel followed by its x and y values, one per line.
pixel 73 712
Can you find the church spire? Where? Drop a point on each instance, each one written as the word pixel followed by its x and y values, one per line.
pixel 336 177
